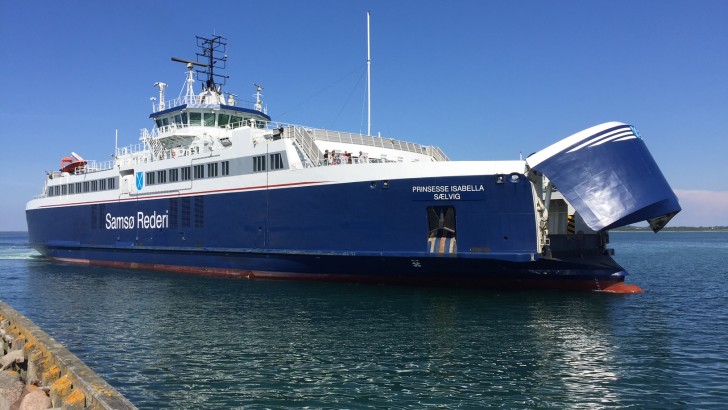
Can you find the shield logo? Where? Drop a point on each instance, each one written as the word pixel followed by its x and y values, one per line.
pixel 139 180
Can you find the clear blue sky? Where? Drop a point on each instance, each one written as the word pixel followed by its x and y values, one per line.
pixel 481 79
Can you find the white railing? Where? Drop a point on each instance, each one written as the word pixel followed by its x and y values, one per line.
pixel 94 166
pixel 201 100
pixel 305 141
pixel 316 134
pixel 131 149
pixel 87 168
pixel 151 149
pixel 300 133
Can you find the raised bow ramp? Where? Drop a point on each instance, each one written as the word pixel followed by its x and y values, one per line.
pixel 609 177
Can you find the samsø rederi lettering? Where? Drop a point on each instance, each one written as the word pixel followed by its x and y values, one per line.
pixel 142 221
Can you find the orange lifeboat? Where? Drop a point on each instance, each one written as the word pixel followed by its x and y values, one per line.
pixel 70 165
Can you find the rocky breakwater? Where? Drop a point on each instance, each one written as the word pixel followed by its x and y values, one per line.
pixel 37 372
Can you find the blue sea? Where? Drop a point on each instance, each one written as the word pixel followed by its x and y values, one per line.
pixel 169 340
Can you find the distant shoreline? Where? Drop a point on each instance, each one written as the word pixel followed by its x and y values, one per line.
pixel 621 229
pixel 673 229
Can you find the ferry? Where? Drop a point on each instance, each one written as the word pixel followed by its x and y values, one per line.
pixel 217 187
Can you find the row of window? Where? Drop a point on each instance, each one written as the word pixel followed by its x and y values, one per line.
pixel 210 170
pixel 208 119
pixel 186 173
pixel 276 162
pixel 163 176
pixel 83 187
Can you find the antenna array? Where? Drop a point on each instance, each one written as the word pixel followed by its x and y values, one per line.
pixel 210 57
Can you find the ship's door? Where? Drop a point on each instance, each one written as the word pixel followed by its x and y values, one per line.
pixel 441 238
pixel 128 182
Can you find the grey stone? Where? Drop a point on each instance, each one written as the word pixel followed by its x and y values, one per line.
pixel 35 400
pixel 15 356
pixel 11 388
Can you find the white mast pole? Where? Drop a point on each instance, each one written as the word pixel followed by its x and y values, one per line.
pixel 369 81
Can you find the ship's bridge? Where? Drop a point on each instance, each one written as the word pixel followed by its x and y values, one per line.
pixel 212 107
pixel 208 109
pixel 210 115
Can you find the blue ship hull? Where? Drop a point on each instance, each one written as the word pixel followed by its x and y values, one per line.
pixel 219 189
pixel 352 231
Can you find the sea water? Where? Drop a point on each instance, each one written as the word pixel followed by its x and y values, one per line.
pixel 169 340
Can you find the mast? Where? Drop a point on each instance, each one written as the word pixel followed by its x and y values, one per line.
pixel 213 49
pixel 369 81
pixel 213 56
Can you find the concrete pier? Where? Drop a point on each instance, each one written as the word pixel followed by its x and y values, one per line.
pixel 37 372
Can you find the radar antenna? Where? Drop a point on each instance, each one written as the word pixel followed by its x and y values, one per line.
pixel 212 55
pixel 188 62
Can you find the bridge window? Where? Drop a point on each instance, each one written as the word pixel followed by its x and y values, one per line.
pixel 223 120
pixel 209 119
pixel 150 178
pixel 225 167
pixel 161 177
pixel 195 118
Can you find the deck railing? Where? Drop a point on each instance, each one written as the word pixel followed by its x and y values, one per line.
pixel 200 100
pixel 303 133
pixel 151 148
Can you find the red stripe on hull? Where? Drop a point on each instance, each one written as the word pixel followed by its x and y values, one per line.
pixel 453 281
